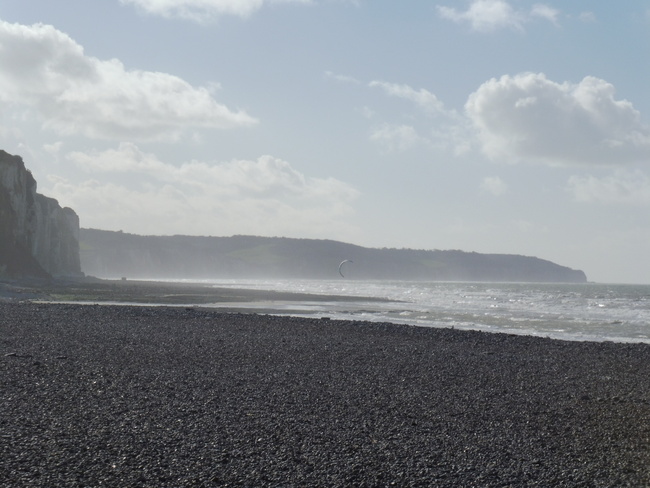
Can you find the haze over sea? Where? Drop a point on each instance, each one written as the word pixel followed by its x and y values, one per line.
pixel 577 312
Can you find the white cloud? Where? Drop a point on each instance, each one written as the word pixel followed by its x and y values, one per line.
pixel 622 187
pixel 490 15
pixel 266 196
pixel 44 69
pixel 530 118
pixel 424 99
pixel 203 10
pixel 451 131
pixel 485 15
pixel 545 12
pixel 342 78
pixel 494 185
pixel 526 118
pixel 396 137
pixel 53 149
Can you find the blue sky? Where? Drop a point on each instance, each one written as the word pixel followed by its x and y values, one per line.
pixel 483 125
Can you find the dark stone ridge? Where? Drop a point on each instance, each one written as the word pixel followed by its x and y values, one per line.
pixel 116 254
pixel 38 238
pixel 180 397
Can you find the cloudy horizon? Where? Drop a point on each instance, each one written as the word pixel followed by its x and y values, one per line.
pixel 493 126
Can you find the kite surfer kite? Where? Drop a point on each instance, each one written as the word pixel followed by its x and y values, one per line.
pixel 341 266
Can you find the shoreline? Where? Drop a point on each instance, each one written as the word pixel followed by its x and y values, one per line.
pixel 181 396
pixel 390 308
pixel 153 292
pixel 143 293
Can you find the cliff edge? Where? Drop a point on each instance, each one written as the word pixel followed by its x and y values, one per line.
pixel 38 238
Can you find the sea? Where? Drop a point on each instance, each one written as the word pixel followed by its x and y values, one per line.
pixel 575 312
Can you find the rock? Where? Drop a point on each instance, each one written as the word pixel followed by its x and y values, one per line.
pixel 38 238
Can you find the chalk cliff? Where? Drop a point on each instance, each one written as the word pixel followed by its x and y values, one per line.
pixel 38 238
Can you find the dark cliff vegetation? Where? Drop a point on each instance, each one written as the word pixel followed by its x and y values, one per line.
pixel 117 254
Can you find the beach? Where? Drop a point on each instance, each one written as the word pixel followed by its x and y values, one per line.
pixel 104 395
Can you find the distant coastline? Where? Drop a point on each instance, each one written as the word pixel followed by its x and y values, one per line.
pixel 116 254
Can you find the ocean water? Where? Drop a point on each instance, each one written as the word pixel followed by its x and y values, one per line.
pixel 579 312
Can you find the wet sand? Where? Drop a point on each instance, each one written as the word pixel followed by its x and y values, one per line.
pixel 92 290
pixel 163 396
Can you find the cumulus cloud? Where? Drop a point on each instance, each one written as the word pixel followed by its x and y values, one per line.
pixel 140 193
pixel 450 131
pixel 396 137
pixel 623 187
pixel 490 15
pixel 342 78
pixel 528 117
pixel 203 10
pixel 525 118
pixel 545 12
pixel 424 99
pixel 45 70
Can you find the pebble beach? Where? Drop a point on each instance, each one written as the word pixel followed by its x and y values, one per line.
pixel 143 396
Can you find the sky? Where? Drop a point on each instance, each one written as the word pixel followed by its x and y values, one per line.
pixel 495 126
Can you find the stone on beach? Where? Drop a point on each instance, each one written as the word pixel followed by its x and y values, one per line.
pixel 144 396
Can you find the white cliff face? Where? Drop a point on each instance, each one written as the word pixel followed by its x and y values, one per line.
pixel 34 228
pixel 20 188
pixel 56 241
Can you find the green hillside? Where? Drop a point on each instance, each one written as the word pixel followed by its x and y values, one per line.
pixel 110 254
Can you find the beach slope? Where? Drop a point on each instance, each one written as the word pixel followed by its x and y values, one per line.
pixel 160 396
